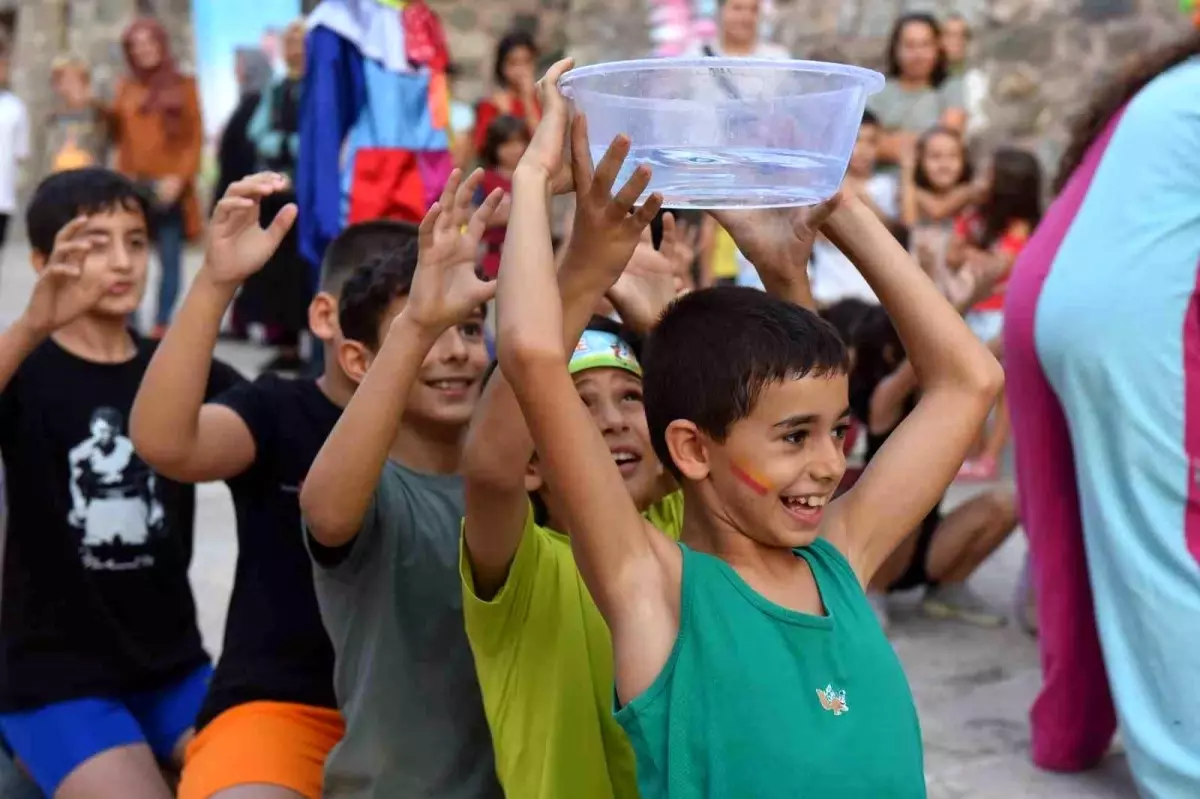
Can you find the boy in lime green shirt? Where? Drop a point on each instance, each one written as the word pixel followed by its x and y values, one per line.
pixel 542 652
pixel 747 660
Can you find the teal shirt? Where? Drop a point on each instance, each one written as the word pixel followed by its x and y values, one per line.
pixel 760 701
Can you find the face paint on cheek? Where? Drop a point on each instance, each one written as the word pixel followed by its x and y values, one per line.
pixel 750 479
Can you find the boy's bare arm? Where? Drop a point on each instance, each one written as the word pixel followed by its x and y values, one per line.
pixel 499 447
pixel 63 292
pixel 629 567
pixel 342 480
pixel 959 381
pixel 171 427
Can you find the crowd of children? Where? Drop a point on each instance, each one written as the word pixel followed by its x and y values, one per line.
pixel 483 553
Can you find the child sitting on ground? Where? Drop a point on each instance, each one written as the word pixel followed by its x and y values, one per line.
pixel 383 507
pixel 271 717
pixel 102 666
pixel 754 633
pixel 989 238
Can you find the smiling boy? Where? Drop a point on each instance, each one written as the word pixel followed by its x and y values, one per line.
pixel 102 670
pixel 753 635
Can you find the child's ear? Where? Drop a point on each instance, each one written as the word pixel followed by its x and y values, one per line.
pixel 533 478
pixel 689 449
pixel 323 316
pixel 38 261
pixel 355 359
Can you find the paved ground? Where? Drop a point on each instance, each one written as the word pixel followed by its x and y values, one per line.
pixel 973 687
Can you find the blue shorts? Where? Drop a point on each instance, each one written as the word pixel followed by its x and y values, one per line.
pixel 54 740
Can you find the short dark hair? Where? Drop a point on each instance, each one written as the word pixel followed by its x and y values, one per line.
pixel 513 40
pixel 66 195
pixel 502 130
pixel 369 291
pixel 715 350
pixel 940 70
pixel 869 118
pixel 360 244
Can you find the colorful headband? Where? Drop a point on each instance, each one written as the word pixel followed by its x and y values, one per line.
pixel 598 349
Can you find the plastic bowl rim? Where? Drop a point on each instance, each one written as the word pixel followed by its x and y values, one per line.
pixel 872 81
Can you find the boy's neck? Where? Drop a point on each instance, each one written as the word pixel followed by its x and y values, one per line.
pixel 100 339
pixel 711 533
pixel 333 382
pixel 428 448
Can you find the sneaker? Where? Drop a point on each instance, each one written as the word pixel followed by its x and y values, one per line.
pixel 958 602
pixel 879 605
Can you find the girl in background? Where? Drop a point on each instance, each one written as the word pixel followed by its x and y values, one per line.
pixel 77 131
pixel 989 238
pixel 505 143
pixel 936 181
pixel 159 136
pixel 516 74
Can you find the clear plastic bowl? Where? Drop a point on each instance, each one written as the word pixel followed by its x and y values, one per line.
pixel 728 132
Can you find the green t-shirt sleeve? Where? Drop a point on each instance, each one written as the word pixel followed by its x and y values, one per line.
pixel 667 515
pixel 951 94
pixel 490 622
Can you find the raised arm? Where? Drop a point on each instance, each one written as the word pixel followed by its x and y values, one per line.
pixel 445 290
pixel 498 445
pixel 171 427
pixel 64 291
pixel 631 570
pixel 959 381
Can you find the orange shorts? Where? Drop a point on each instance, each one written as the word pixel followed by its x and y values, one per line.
pixel 270 743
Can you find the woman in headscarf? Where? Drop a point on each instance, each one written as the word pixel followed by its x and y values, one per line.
pixel 159 136
pixel 278 294
pixel 1102 351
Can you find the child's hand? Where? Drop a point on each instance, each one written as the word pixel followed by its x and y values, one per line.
pixel 651 280
pixel 446 287
pixel 778 241
pixel 607 228
pixel 237 246
pixel 63 293
pixel 545 151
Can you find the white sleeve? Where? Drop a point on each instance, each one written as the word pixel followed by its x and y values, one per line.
pixel 21 133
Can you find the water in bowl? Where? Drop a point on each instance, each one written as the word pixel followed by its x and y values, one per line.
pixel 734 177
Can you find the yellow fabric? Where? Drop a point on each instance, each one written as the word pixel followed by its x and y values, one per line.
pixel 724 262
pixel 545 663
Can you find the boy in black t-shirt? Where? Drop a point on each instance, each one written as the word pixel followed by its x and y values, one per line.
pixel 271 716
pixel 102 670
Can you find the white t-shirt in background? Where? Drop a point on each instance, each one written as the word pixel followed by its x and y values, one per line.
pixel 14 147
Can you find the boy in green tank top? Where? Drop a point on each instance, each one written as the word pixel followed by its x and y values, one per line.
pixel 747 659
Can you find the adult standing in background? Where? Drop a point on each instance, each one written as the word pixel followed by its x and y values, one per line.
pixel 159 136
pixel 1102 352
pixel 14 147
pixel 278 294
pixel 739 33
pixel 237 156
pixel 516 75
pixel 919 94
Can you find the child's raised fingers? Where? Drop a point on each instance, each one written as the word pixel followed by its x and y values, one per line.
pixel 465 195
pixel 483 214
pixel 670 235
pixel 609 166
pixel 70 230
pixel 633 188
pixel 645 215
pixel 582 167
pixel 428 225
pixel 450 189
pixel 548 91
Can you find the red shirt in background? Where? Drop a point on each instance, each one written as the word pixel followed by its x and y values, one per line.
pixel 969 226
pixel 487 111
pixel 493 237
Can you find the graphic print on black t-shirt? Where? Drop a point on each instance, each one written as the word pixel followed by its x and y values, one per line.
pixel 113 499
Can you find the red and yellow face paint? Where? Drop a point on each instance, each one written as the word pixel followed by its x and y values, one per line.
pixel 750 478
